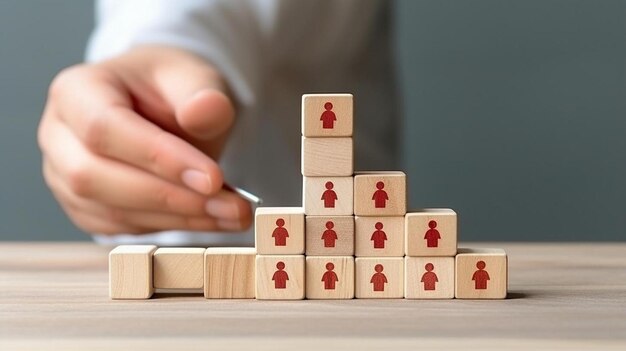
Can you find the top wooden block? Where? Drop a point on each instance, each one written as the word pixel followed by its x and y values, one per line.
pixel 327 115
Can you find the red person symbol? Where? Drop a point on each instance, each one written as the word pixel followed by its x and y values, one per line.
pixel 380 196
pixel 481 276
pixel 328 117
pixel 329 278
pixel 432 235
pixel 329 196
pixel 329 236
pixel 280 277
pixel 378 279
pixel 379 237
pixel 280 234
pixel 429 278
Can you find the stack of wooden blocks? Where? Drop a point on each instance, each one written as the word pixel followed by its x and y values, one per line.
pixel 352 238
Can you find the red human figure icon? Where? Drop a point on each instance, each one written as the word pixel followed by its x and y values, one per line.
pixel 329 236
pixel 481 276
pixel 329 196
pixel 378 279
pixel 280 234
pixel 328 117
pixel 380 196
pixel 432 235
pixel 379 237
pixel 329 278
pixel 429 278
pixel 280 277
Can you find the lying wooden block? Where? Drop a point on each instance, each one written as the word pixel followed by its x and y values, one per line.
pixel 279 230
pixel 379 277
pixel 481 274
pixel 179 268
pixel 328 196
pixel 380 194
pixel 327 157
pixel 130 272
pixel 329 277
pixel 429 277
pixel 431 232
pixel 327 115
pixel 229 272
pixel 280 277
pixel 379 236
pixel 329 235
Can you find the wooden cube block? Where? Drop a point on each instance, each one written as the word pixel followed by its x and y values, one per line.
pixel 329 235
pixel 481 274
pixel 380 194
pixel 330 277
pixel 328 196
pixel 327 157
pixel 178 268
pixel 327 115
pixel 431 232
pixel 229 272
pixel 130 272
pixel 379 278
pixel 279 230
pixel 379 236
pixel 429 277
pixel 280 277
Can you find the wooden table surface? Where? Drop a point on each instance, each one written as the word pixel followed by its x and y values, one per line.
pixel 561 296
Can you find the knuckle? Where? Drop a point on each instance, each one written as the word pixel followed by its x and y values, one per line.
pixel 61 82
pixel 95 129
pixel 79 180
pixel 158 153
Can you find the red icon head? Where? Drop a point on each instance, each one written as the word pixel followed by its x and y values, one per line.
pixel 330 266
pixel 330 225
pixel 328 106
pixel 432 224
pixel 280 265
pixel 481 264
pixel 329 185
pixel 429 267
pixel 380 185
pixel 280 222
pixel 378 268
pixel 378 225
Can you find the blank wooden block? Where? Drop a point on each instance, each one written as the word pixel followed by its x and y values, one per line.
pixel 380 194
pixel 379 278
pixel 481 274
pixel 229 272
pixel 327 115
pixel 280 277
pixel 379 236
pixel 328 196
pixel 327 157
pixel 330 277
pixel 178 268
pixel 429 277
pixel 130 272
pixel 279 230
pixel 431 232
pixel 329 235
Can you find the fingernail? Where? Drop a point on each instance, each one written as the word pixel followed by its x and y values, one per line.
pixel 222 209
pixel 197 181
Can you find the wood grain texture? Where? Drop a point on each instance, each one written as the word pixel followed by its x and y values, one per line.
pixel 380 193
pixel 229 272
pixel 178 268
pixel 367 240
pixel 470 263
pixel 419 234
pixel 327 157
pixel 416 277
pixel 313 108
pixel 321 229
pixel 315 189
pixel 272 269
pixel 319 269
pixel 368 278
pixel 279 230
pixel 130 272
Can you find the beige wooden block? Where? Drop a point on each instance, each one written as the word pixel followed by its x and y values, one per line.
pixel 329 277
pixel 327 115
pixel 280 277
pixel 328 196
pixel 379 278
pixel 380 194
pixel 229 272
pixel 329 235
pixel 327 157
pixel 429 277
pixel 178 268
pixel 379 236
pixel 481 274
pixel 130 272
pixel 279 230
pixel 431 232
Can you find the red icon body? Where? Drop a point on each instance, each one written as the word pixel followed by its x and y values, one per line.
pixel 480 277
pixel 329 196
pixel 328 117
pixel 380 196
pixel 432 235
pixel 280 234
pixel 329 236
pixel 429 278
pixel 379 237
pixel 378 279
pixel 329 278
pixel 280 277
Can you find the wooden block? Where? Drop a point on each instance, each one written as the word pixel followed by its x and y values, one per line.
pixel 380 194
pixel 431 232
pixel 327 115
pixel 280 277
pixel 330 277
pixel 379 236
pixel 327 157
pixel 328 196
pixel 130 272
pixel 429 277
pixel 279 230
pixel 229 272
pixel 179 268
pixel 379 278
pixel 329 235
pixel 481 274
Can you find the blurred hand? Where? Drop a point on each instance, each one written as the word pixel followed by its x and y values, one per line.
pixel 130 144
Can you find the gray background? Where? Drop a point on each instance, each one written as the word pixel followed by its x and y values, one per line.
pixel 516 113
